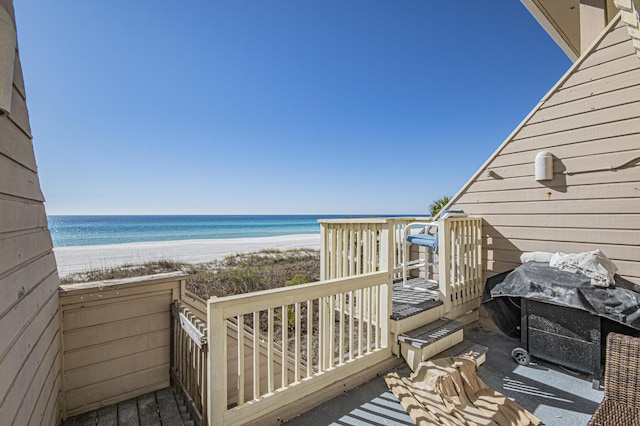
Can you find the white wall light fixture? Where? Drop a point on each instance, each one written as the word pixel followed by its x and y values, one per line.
pixel 544 166
pixel 7 57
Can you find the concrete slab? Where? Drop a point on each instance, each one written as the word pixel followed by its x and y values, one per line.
pixel 554 394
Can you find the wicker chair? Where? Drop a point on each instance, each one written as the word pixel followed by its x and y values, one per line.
pixel 621 403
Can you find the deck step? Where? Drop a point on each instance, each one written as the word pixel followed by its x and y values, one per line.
pixel 424 342
pixel 479 351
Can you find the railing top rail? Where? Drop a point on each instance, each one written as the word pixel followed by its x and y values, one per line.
pixel 245 303
pixel 391 219
pixel 355 220
pixel 372 219
pixel 194 298
pixel 143 280
pixel 462 218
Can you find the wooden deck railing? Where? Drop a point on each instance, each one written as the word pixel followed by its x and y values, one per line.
pixel 350 247
pixel 460 260
pixel 291 342
pixel 189 359
pixel 358 246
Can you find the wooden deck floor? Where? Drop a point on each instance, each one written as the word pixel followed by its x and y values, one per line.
pixel 153 409
pixel 417 297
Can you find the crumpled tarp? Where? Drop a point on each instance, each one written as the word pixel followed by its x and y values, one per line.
pixel 619 302
pixel 593 264
pixel 447 391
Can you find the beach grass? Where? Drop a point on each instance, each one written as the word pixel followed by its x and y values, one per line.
pixel 235 274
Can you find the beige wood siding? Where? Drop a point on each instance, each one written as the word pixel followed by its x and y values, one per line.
pixel 590 122
pixel 115 339
pixel 30 367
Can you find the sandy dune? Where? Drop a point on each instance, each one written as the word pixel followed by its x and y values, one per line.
pixel 83 258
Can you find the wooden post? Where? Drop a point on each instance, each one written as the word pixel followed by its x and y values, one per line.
pixel 387 249
pixel 323 251
pixel 386 246
pixel 385 292
pixel 216 363
pixel 444 263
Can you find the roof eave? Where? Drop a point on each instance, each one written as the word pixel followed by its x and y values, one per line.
pixel 552 28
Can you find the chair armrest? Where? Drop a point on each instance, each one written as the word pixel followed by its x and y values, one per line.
pixel 426 225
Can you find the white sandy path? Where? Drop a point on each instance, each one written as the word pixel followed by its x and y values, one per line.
pixel 84 258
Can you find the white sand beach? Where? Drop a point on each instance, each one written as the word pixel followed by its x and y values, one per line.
pixel 84 258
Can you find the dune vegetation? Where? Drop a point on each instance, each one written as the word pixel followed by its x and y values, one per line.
pixel 235 274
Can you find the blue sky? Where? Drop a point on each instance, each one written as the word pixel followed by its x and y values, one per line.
pixel 273 107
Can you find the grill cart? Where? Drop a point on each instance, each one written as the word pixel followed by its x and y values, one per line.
pixel 560 316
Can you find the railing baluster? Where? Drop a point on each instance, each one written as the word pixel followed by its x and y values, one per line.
pixel 456 259
pixel 477 261
pixel 240 374
pixel 365 250
pixel 464 273
pixel 470 258
pixel 359 269
pixel 190 353
pixel 341 333
pixel 340 252
pixel 297 342
pixel 332 331
pixel 368 320
pixel 256 355
pixel 270 360
pixel 345 251
pixel 309 337
pixel 183 349
pixel 377 234
pixel 352 251
pixel 334 252
pixel 285 345
pixel 322 340
pixel 452 263
pixel 325 333
pixel 324 258
pixel 188 371
pixel 351 313
pixel 378 318
pixel 372 248
pixel 359 301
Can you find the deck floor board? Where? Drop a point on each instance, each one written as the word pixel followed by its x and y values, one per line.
pixel 148 410
pixel 128 413
pixel 169 412
pixel 86 419
pixel 418 296
pixel 158 408
pixel 108 416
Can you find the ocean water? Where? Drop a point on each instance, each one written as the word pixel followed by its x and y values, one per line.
pixel 95 230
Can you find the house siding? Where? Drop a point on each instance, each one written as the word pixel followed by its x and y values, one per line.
pixel 30 374
pixel 590 121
